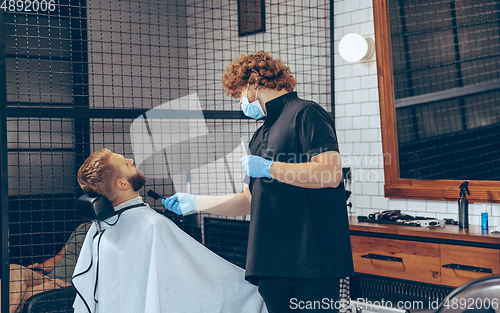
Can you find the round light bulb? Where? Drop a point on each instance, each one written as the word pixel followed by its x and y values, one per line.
pixel 354 47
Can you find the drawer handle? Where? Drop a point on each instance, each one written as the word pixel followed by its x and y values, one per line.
pixel 382 257
pixel 468 268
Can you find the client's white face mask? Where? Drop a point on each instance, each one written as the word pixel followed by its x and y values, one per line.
pixel 254 109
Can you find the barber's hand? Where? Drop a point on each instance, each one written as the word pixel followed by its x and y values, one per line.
pixel 180 203
pixel 256 166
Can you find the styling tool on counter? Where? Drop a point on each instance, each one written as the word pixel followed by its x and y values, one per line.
pixel 432 223
pixel 395 217
pixel 463 206
pixel 391 215
pixel 246 148
pixel 450 221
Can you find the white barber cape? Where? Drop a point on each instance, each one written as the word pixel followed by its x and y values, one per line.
pixel 145 263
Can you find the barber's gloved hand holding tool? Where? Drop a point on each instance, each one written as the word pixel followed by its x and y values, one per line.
pixel 184 203
pixel 180 203
pixel 254 166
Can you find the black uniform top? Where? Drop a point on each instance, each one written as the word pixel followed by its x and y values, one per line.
pixel 296 232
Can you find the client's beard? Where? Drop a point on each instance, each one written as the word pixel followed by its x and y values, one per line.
pixel 137 180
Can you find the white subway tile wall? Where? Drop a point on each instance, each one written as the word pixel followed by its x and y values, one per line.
pixel 359 133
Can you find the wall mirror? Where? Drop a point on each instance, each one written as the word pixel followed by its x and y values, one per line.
pixel 438 65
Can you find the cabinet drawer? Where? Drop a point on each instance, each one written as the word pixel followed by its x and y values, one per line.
pixel 460 264
pixel 402 259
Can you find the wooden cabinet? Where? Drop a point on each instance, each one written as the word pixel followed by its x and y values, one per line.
pixel 461 264
pixel 397 258
pixel 446 256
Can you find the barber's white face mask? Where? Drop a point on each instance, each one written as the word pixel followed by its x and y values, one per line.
pixel 254 109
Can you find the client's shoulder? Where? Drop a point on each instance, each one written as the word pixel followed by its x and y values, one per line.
pixel 145 215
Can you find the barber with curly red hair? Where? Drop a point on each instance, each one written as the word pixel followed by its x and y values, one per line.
pixel 299 243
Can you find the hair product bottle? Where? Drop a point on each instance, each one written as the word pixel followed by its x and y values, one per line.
pixel 463 206
pixel 484 219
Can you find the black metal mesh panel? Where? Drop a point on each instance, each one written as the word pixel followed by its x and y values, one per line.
pixel 93 74
pixel 419 295
pixel 446 79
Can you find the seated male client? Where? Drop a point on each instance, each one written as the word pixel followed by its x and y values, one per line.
pixel 140 261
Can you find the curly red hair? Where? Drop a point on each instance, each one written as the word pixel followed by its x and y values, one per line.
pixel 270 73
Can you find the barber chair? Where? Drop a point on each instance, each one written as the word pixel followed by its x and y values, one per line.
pixel 478 296
pixel 57 300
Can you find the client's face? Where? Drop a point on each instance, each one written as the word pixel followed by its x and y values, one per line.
pixel 128 169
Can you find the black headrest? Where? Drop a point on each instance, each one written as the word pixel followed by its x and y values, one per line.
pixel 94 207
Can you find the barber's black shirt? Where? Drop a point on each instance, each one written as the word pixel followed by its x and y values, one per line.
pixel 294 231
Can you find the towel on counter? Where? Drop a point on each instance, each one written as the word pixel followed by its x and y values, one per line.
pixel 145 263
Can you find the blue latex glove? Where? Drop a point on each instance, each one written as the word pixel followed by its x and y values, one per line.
pixel 180 203
pixel 256 166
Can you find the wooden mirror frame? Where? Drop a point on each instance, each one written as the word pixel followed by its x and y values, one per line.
pixel 395 187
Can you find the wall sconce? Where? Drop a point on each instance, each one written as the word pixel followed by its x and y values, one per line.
pixel 354 47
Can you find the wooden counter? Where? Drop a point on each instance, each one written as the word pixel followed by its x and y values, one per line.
pixel 447 234
pixel 446 255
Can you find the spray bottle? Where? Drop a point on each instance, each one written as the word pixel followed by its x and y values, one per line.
pixel 463 206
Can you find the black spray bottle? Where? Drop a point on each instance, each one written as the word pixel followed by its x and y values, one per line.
pixel 463 206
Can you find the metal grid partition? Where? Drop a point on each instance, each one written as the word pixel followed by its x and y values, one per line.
pixel 143 79
pixel 416 296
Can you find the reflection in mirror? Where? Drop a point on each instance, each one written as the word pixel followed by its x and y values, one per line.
pixel 446 70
